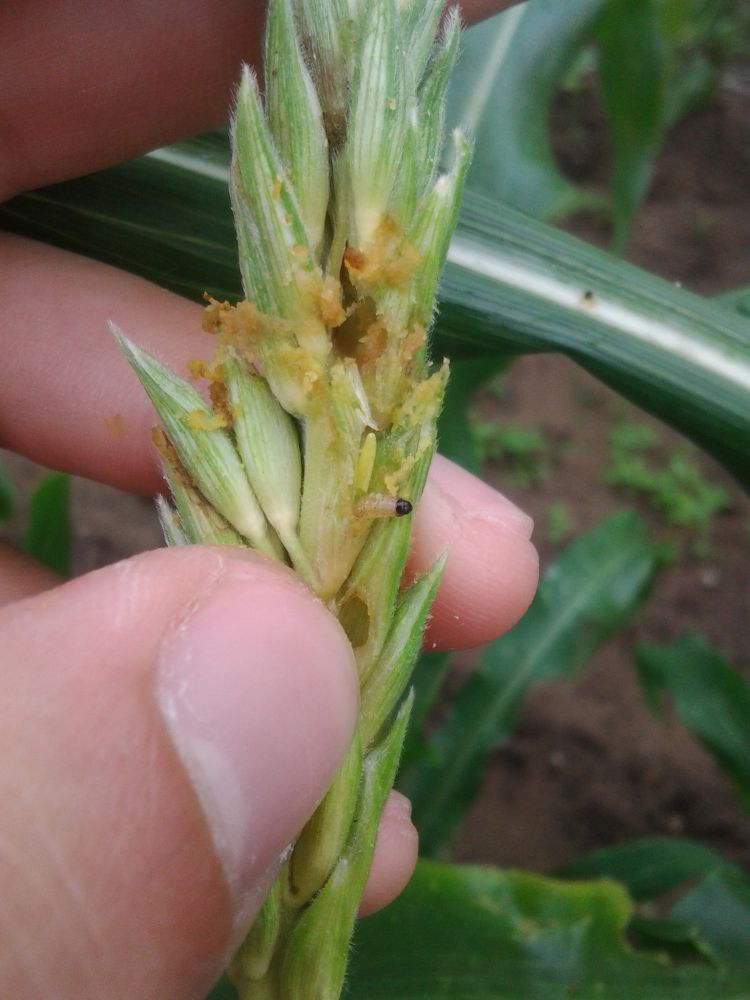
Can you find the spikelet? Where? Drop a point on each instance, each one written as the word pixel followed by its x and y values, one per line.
pixel 313 440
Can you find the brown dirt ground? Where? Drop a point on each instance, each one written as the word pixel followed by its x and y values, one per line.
pixel 588 765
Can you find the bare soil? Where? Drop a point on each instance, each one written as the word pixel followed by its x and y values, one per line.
pixel 588 765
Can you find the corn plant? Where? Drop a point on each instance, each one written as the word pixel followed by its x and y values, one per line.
pixel 322 421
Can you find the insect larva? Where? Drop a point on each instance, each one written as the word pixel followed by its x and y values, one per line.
pixel 382 505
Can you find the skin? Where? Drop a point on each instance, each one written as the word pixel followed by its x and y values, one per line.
pixel 90 754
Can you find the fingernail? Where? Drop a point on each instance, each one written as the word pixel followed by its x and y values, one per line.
pixel 257 687
pixel 492 567
pixel 478 500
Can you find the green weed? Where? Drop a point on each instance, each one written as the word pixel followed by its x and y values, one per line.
pixel 7 498
pixel 522 448
pixel 559 524
pixel 674 486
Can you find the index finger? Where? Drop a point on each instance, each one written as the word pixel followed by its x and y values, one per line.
pixel 88 84
pixel 68 399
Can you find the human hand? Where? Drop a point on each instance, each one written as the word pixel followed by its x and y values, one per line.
pixel 86 85
pixel 164 733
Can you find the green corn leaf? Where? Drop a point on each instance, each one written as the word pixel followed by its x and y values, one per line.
pixel 711 698
pixel 223 990
pixel 587 595
pixel 166 216
pixel 500 95
pixel 712 916
pixel 737 300
pixel 506 81
pixel 516 284
pixel 511 285
pixel 718 909
pixel 49 536
pixel 469 933
pixel 633 72
pixel 701 36
pixel 666 937
pixel 7 496
pixel 647 867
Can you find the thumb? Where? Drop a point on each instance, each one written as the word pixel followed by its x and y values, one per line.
pixel 166 727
